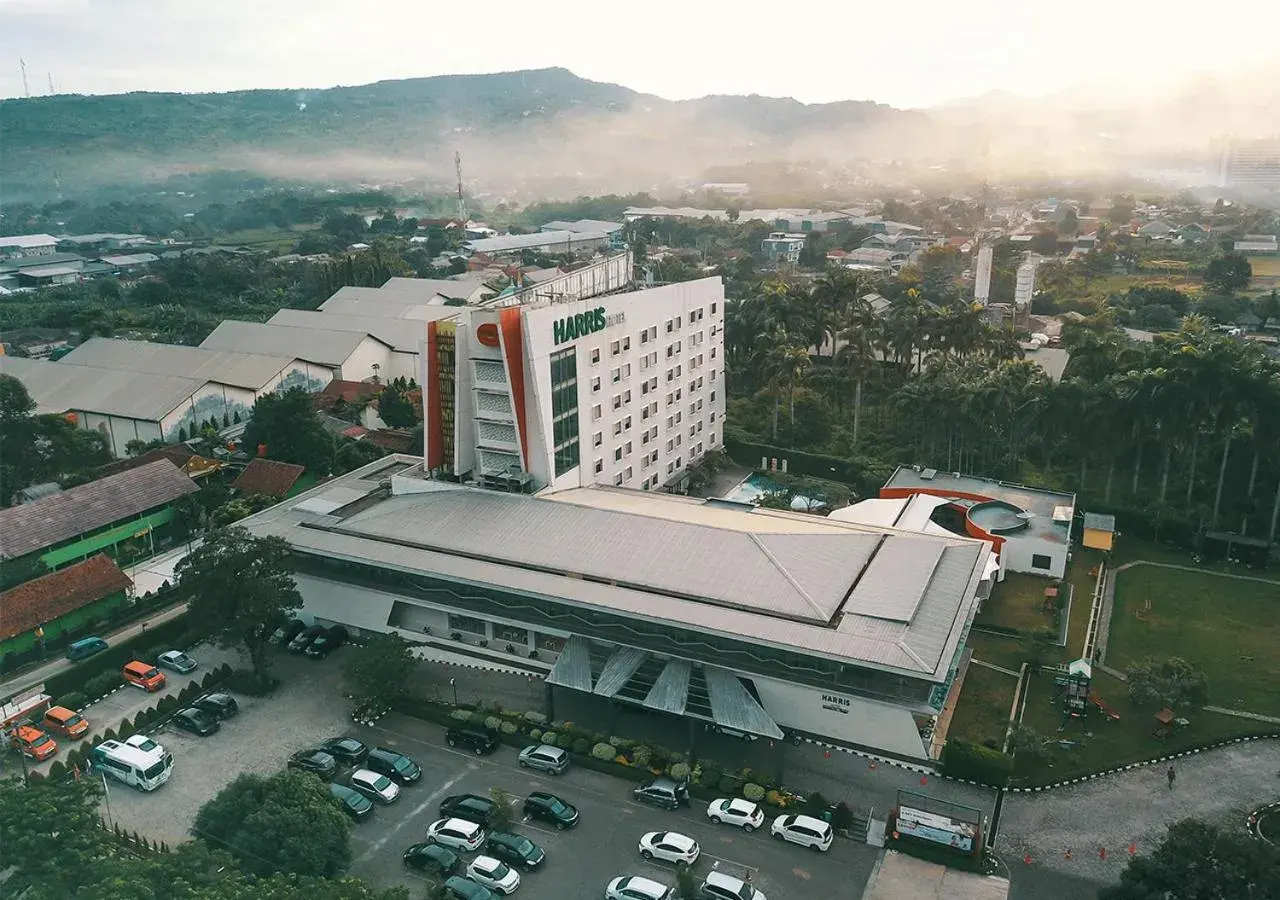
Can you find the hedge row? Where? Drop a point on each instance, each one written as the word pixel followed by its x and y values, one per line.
pixel 864 476
pixel 973 762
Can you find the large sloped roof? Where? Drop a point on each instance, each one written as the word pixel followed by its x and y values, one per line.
pixel 402 334
pixel 52 596
pixel 247 370
pixel 58 388
pixel 59 517
pixel 325 347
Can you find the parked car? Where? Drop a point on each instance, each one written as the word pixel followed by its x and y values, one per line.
pixel 515 849
pixel 551 809
pixel 346 750
pixel 478 740
pixel 544 758
pixel 458 888
pixel 460 834
pixel 354 804
pixel 736 811
pixel 333 638
pixel 304 638
pixel 315 761
pixel 85 647
pixel 494 874
pixel 435 859
pixel 471 807
pixel 803 830
pixel 636 887
pixel 196 721
pixel 719 886
pixel 285 634
pixel 143 743
pixel 223 706
pixel 177 661
pixel 396 766
pixel 143 675
pixel 378 788
pixel 32 743
pixel 670 846
pixel 664 793
pixel 64 722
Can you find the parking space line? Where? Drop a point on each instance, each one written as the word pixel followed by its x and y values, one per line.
pixel 435 795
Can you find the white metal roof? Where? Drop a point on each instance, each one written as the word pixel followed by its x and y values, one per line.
pixel 247 370
pixel 322 346
pixel 27 241
pixel 402 334
pixel 549 239
pixel 130 259
pixel 59 388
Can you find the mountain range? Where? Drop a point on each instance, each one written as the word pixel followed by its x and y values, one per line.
pixel 549 132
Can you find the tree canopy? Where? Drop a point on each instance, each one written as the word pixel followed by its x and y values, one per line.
pixel 40 448
pixel 287 426
pixel 380 669
pixel 1198 861
pixel 239 588
pixel 1172 682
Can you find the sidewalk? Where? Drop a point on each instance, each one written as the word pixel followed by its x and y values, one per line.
pixel 20 681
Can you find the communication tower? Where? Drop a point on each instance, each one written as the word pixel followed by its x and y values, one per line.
pixel 462 201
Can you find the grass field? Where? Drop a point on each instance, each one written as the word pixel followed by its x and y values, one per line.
pixel 1017 602
pixel 1265 266
pixel 983 711
pixel 1227 627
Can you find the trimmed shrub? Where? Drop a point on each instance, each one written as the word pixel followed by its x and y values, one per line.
pixel 815 804
pixel 729 784
pixel 842 816
pixel 535 734
pixel 166 705
pixel 549 737
pixel 566 741
pixel 462 715
pixel 773 798
pixel 109 735
pixel 224 670
pixel 508 728
pixel 207 681
pixel 581 746
pixel 973 762
pixel 679 771
pixel 34 778
pixel 710 775
pixel 642 756
pixel 753 792
pixel 622 743
pixel 57 771
pixel 493 723
pixel 100 685
pixel 604 752
pixel 72 700
pixel 126 729
pixel 535 718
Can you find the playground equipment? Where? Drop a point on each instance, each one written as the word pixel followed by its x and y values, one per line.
pixel 1106 710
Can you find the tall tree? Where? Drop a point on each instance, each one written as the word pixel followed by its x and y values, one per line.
pixel 1199 861
pixel 379 671
pixel 286 426
pixel 239 588
pixel 1229 273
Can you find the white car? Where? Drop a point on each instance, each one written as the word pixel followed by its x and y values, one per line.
pixel 634 887
pixel 743 813
pixel 493 874
pixel 143 743
pixel 803 830
pixel 456 833
pixel 719 886
pixel 669 846
pixel 177 661
pixel 378 788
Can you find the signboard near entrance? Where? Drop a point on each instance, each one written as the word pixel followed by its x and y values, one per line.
pixel 936 829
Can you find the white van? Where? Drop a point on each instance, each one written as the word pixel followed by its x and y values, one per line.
pixel 145 770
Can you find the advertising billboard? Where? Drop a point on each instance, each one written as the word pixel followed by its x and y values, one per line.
pixel 935 828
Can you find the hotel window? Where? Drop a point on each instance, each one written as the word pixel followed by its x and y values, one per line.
pixel 653 408
pixel 626 371
pixel 699 425
pixel 653 333
pixel 615 376
pixel 713 416
pixel 644 438
pixel 626 343
pixel 564 409
pixel 617 428
pixel 644 413
pixel 668 326
pixel 626 396
pixel 626 475
pixel 617 454
pixel 692 430
pixel 713 438
pixel 713 396
pixel 617 401
pixel 671 349
pixel 1040 561
pixel 678 463
pixel 677 321
pixel 599 466
pixel 617 480
pixel 713 353
pixel 627 450
pixel 626 424
pixel 614 348
pixel 644 387
pixel 598 439
pixel 679 439
pixel 713 309
pixel 595 384
pixel 595 354
pixel 679 416
pixel 671 445
pixel 595 412
pixel 644 336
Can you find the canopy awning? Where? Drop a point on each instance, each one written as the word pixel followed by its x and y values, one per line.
pixel 618 669
pixel 573 667
pixel 732 705
pixel 671 691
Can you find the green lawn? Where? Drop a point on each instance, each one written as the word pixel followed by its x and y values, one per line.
pixel 983 710
pixel 1227 627
pixel 1017 602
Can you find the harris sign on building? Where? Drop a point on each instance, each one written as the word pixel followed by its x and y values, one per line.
pixel 579 325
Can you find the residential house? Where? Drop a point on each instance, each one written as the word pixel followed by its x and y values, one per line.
pixel 1157 230
pixel 782 248
pixel 60 602
pixel 1195 233
pixel 897 243
pixel 803 223
pixel 617 236
pixel 268 478
pixel 1257 245
pixel 875 260
pixel 631 213
pixel 546 241
pixel 129 263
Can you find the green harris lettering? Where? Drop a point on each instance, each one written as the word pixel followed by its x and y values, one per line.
pixel 579 325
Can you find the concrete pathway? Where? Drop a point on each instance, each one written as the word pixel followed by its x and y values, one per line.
pixel 1241 714
pixel 993 667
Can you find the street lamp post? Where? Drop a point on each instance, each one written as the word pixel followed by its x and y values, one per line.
pixel 453 683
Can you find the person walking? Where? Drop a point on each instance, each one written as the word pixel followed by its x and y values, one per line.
pixel 1172 775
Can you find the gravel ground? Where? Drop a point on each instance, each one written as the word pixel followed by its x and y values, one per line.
pixel 1220 786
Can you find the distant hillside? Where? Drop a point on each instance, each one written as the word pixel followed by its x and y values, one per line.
pixel 516 129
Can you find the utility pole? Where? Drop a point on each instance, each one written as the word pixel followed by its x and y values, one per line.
pixel 51 90
pixel 26 91
pixel 462 201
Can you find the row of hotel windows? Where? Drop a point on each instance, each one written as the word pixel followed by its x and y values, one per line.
pixel 649 459
pixel 622 345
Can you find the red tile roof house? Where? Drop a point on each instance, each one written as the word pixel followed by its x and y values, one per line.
pixel 59 601
pixel 268 477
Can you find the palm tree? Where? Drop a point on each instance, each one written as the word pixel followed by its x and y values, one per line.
pixel 858 356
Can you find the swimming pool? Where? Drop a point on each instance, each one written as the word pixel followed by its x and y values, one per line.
pixel 755 487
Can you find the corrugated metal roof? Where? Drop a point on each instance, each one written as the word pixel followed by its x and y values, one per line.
pixel 325 347
pixel 505 242
pixel 33 526
pixel 247 370
pixel 1099 522
pixel 426 288
pixel 573 665
pixel 384 304
pixel 670 692
pixel 894 583
pixel 802 577
pixel 402 334
pixel 620 667
pixel 132 395
pixel 732 705
pixel 27 241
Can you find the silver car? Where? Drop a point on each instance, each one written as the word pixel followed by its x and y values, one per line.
pixel 177 661
pixel 544 758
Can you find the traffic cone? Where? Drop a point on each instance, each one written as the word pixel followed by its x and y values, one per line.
pixel 1133 848
pixel 1102 853
pixel 826 754
pixel 872 765
pixel 1027 859
pixel 924 779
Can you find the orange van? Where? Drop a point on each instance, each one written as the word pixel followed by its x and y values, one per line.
pixel 33 743
pixel 144 675
pixel 65 722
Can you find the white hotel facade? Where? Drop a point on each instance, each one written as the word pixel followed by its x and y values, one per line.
pixel 623 389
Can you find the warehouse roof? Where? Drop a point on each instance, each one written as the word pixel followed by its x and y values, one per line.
pixel 453 288
pixel 583 225
pixel 80 510
pixel 27 241
pixel 246 370
pixel 879 596
pixel 52 596
pixel 58 388
pixel 325 347
pixel 130 259
pixel 385 304
pixel 552 239
pixel 402 334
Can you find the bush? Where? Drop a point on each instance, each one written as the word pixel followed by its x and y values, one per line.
pixel 753 792
pixel 581 746
pixel 972 762
pixel 566 741
pixel 208 680
pixel 604 752
pixel 710 775
pixel 72 700
pixel 252 684
pixel 642 757
pixel 535 734
pixel 773 798
pixel 166 705
pixel 622 743
pixel 100 685
pixel 686 883
pixel 109 735
pixel 492 723
pixel 729 784
pixel 842 816
pixel 535 718
pixel 145 718
pixel 508 728
pixel 815 804
pixel 126 729
pixel 679 771
pixel 549 737
pixel 57 771
pixel 462 715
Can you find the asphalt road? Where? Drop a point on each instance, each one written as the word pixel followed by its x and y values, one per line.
pixel 581 861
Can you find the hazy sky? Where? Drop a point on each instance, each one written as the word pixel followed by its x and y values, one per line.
pixel 914 53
